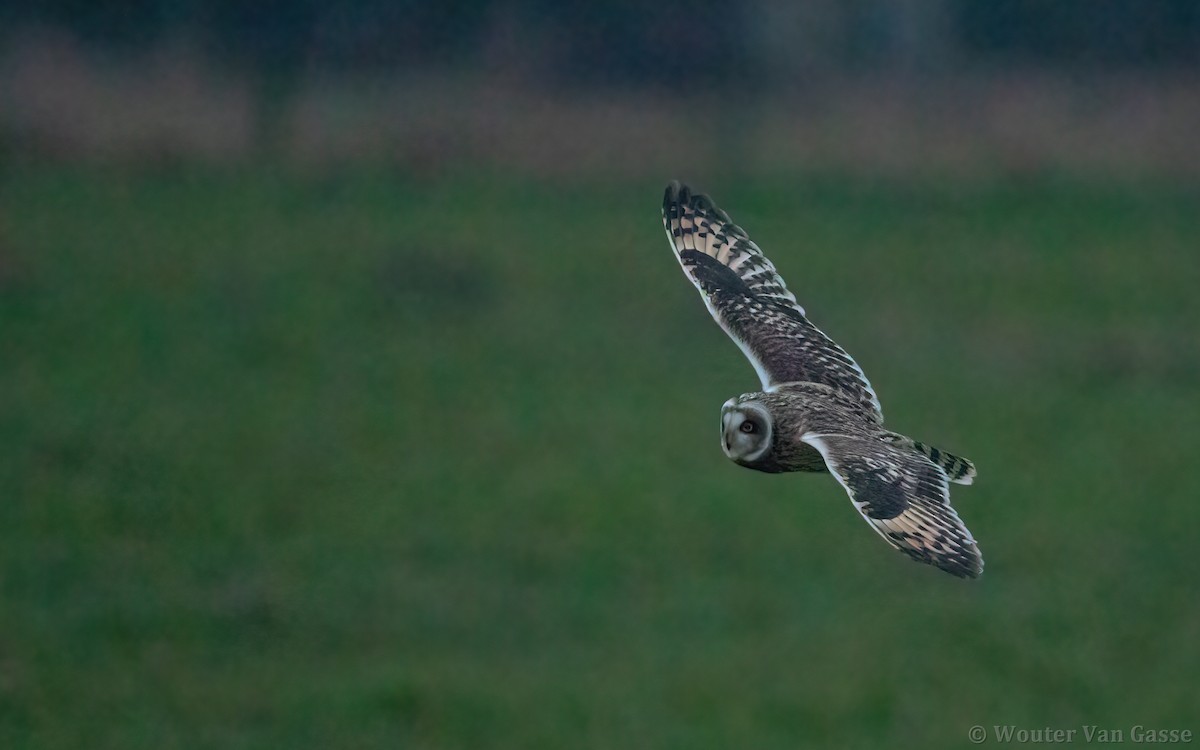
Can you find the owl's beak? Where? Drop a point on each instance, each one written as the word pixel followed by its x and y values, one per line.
pixel 727 426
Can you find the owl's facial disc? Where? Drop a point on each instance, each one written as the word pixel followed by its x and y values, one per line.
pixel 745 430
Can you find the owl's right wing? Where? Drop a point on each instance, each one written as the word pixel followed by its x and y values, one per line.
pixel 749 300
pixel 904 496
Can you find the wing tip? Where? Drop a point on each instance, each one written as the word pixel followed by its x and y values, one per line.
pixel 681 194
pixel 964 562
pixel 970 569
pixel 973 573
pixel 967 562
pixel 676 193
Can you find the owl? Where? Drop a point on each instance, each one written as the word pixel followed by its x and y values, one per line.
pixel 816 411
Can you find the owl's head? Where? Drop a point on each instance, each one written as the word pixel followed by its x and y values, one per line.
pixel 747 431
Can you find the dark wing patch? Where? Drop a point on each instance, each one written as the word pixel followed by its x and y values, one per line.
pixel 904 497
pixel 749 300
pixel 881 498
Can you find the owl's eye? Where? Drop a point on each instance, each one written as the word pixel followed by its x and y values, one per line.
pixel 747 427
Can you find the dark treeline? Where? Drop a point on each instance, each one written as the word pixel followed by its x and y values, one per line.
pixel 629 41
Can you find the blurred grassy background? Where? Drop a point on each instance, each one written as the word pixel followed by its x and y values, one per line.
pixel 353 458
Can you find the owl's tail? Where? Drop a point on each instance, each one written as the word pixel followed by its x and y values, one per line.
pixel 958 469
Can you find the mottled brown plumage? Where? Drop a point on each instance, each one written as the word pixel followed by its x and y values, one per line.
pixel 817 411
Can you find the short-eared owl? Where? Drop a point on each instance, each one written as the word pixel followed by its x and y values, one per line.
pixel 816 411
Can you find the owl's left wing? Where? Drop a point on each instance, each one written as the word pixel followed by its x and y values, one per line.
pixel 748 299
pixel 905 497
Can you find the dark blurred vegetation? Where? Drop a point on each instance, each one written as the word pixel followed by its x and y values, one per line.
pixel 350 395
pixel 935 86
pixel 634 43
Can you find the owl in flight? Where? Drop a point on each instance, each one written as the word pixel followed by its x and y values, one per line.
pixel 816 411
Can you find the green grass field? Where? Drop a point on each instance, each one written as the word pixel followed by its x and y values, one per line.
pixel 356 461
